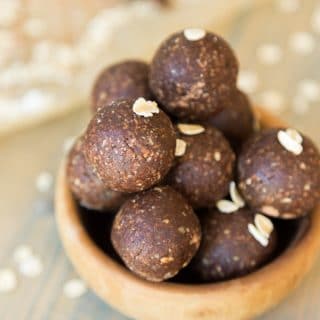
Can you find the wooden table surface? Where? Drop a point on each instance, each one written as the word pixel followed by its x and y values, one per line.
pixel 27 216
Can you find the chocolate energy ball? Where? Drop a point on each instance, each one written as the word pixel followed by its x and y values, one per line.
pixel 125 80
pixel 193 73
pixel 87 187
pixel 228 249
pixel 236 120
pixel 279 173
pixel 203 173
pixel 156 233
pixel 130 144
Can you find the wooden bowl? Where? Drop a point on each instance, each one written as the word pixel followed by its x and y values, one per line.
pixel 242 298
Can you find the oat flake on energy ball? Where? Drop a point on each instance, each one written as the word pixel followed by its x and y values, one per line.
pixel 277 174
pixel 197 174
pixel 205 75
pixel 228 250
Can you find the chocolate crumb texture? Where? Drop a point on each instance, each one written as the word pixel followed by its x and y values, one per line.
pixel 129 152
pixel 156 233
pixel 236 120
pixel 276 181
pixel 203 173
pixel 191 79
pixel 227 249
pixel 124 80
pixel 87 187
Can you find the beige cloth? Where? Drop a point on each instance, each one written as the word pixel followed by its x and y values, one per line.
pixel 50 51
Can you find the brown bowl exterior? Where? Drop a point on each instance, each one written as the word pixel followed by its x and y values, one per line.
pixel 242 298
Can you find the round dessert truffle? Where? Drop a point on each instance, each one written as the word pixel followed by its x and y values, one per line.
pixel 87 187
pixel 236 120
pixel 228 249
pixel 193 73
pixel 203 173
pixel 125 80
pixel 279 173
pixel 130 145
pixel 156 233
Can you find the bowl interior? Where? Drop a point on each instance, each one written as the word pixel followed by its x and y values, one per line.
pixel 98 226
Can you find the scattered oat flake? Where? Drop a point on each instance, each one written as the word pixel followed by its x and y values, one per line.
pixel 145 108
pixel 288 143
pixel 300 105
pixel 273 101
pixel 269 53
pixel 247 81
pixel 74 288
pixel 302 42
pixel 288 6
pixel 227 206
pixel 263 224
pixel 44 182
pixel 194 34
pixel 8 280
pixel 31 267
pixel 190 129
pixel 310 89
pixel 235 195
pixel 258 235
pixel 34 100
pixel 22 253
pixel 181 146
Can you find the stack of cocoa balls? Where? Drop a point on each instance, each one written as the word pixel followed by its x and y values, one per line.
pixel 171 152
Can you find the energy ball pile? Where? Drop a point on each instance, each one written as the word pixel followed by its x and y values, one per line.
pixel 171 154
